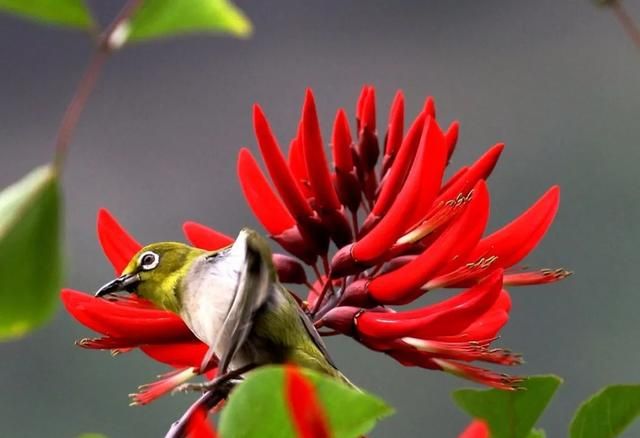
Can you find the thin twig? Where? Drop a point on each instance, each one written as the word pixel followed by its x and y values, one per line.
pixel 87 83
pixel 72 114
pixel 222 387
pixel 320 299
pixel 627 23
pixel 316 270
pixel 354 221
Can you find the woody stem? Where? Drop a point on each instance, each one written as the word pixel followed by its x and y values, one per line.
pixel 627 23
pixel 87 83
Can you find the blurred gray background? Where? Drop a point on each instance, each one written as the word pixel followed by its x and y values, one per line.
pixel 557 81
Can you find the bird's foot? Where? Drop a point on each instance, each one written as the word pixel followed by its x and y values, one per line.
pixel 191 387
pixel 211 385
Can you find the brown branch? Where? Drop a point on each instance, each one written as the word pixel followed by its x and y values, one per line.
pixel 626 21
pixel 104 48
pixel 72 114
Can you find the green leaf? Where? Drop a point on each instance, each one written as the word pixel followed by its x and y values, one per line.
pixel 69 13
pixel 257 407
pixel 510 414
pixel 537 433
pixel 163 18
pixel 607 413
pixel 30 259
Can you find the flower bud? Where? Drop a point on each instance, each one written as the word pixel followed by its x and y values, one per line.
pixel 341 319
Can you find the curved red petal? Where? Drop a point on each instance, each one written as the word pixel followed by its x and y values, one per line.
pixel 402 285
pixel 488 326
pixel 177 354
pixel 317 167
pixel 204 237
pixel 436 156
pixel 368 113
pixel 360 104
pixel 505 247
pixel 430 107
pixel 377 241
pixel 514 241
pixel 117 244
pixel 444 320
pixel 402 164
pixel 127 307
pixel 307 414
pixel 278 168
pixel 127 322
pixel 396 125
pixel 266 205
pixel 141 330
pixel 298 167
pixel 451 137
pixel 341 143
pixel 465 180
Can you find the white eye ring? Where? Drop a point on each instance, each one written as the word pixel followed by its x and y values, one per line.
pixel 148 260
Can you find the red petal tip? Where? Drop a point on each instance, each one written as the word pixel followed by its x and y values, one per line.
pixel 204 237
pixel 117 244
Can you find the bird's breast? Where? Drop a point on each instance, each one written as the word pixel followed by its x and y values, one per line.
pixel 207 293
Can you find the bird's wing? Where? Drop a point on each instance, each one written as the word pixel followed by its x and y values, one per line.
pixel 251 292
pixel 315 336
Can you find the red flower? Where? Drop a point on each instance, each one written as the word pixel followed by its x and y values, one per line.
pixel 476 429
pixel 418 232
pixel 400 230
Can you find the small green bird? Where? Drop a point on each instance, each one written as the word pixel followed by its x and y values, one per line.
pixel 231 300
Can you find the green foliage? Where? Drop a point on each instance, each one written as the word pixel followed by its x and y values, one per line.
pixel 510 414
pixel 607 413
pixel 163 18
pixel 258 409
pixel 537 433
pixel 69 13
pixel 30 259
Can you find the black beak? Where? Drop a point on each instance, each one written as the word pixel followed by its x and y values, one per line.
pixel 125 283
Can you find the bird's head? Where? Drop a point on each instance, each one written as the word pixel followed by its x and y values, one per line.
pixel 155 273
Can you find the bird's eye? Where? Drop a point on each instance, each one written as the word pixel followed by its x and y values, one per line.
pixel 148 260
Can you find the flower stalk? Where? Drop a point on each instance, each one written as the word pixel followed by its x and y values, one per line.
pixel 104 47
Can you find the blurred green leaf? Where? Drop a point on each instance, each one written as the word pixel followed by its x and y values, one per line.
pixel 164 18
pixel 257 408
pixel 69 13
pixel 30 259
pixel 510 414
pixel 537 433
pixel 607 413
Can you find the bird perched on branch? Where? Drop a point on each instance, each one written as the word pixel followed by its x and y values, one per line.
pixel 232 301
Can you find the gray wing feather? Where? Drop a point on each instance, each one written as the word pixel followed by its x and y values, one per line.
pixel 315 336
pixel 251 293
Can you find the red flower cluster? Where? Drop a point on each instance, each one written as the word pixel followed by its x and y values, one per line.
pixel 419 232
pixel 400 229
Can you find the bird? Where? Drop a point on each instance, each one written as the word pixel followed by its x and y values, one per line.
pixel 232 301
